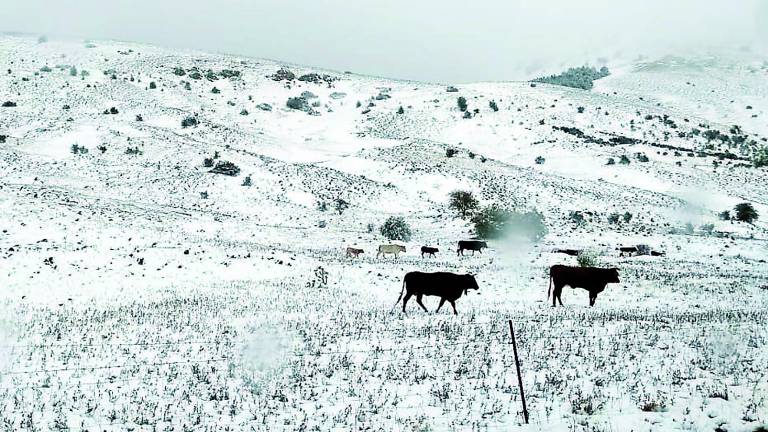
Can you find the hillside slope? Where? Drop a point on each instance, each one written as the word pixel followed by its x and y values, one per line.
pixel 132 272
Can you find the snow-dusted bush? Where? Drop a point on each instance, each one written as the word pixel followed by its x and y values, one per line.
pixel 492 104
pixel 189 121
pixel 540 160
pixel 450 152
pixel 588 258
pixel 396 228
pixel 78 149
pixel 247 181
pixel 340 205
pixel 760 158
pixel 462 103
pixel 226 168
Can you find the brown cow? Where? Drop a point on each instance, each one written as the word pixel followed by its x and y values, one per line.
pixel 592 279
pixel 352 252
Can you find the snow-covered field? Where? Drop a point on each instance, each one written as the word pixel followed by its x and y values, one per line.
pixel 141 292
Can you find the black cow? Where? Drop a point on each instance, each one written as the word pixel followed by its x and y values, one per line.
pixel 592 279
pixel 429 251
pixel 447 286
pixel 571 252
pixel 629 250
pixel 473 245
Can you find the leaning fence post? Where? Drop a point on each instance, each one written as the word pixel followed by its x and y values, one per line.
pixel 519 376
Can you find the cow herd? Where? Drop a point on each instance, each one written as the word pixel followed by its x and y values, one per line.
pixel 450 286
pixel 429 251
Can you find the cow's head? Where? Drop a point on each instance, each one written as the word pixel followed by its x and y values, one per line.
pixel 402 248
pixel 470 283
pixel 484 244
pixel 613 275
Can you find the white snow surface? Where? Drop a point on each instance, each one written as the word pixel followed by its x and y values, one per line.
pixel 139 291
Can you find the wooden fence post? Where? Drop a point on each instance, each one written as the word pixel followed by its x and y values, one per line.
pixel 519 376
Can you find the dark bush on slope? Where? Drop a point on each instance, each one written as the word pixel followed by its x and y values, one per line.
pixel 580 77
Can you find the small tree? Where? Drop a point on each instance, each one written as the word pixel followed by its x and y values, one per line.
pixel 395 228
pixel 725 215
pixel 624 160
pixel 73 71
pixel 462 103
pixel 708 228
pixel 540 160
pixel 450 152
pixel 401 110
pixel 493 106
pixel 627 217
pixel 494 222
pixel 614 218
pixel 152 85
pixel 463 202
pixel 611 161
pixel 746 213
pixel 247 181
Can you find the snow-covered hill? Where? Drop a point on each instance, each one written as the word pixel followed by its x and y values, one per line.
pixel 141 291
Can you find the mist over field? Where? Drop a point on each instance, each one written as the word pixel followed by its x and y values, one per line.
pixel 431 40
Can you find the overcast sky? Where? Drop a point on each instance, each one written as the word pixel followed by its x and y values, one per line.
pixel 429 40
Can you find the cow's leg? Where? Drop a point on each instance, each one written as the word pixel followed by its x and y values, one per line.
pixel 556 294
pixel 453 304
pixel 418 300
pixel 405 300
pixel 442 302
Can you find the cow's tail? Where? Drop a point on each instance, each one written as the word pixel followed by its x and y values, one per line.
pixel 401 295
pixel 550 285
